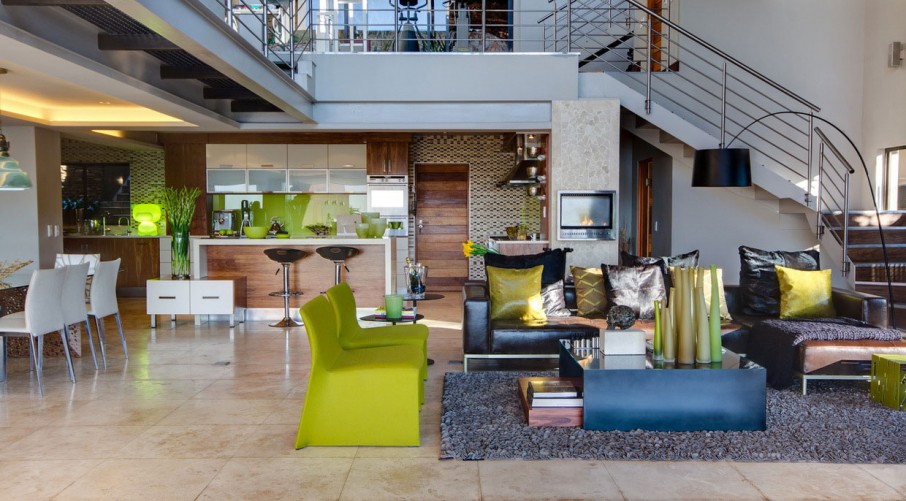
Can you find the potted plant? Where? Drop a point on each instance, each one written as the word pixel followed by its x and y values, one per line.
pixel 179 204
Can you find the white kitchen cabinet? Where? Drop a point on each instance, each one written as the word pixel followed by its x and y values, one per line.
pixel 307 156
pixel 225 156
pixel 346 156
pixel 195 297
pixel 266 156
pixel 227 181
pixel 267 180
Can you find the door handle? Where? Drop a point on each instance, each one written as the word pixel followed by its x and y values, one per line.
pixel 420 225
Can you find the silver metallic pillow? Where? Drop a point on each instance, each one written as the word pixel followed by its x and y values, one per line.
pixel 554 300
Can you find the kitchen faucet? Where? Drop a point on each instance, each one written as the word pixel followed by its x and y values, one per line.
pixel 119 222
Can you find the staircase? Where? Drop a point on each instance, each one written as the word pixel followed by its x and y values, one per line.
pixel 867 255
pixel 687 95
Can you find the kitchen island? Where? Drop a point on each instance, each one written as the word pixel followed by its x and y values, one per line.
pixel 372 273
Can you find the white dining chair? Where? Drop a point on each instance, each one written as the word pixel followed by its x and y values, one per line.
pixel 73 302
pixel 103 303
pixel 70 259
pixel 42 315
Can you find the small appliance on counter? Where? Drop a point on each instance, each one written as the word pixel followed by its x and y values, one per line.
pixel 224 222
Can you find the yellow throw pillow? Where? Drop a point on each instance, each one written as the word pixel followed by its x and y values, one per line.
pixel 805 294
pixel 591 297
pixel 516 293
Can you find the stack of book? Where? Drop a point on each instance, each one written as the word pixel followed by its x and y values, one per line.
pixel 553 393
pixel 408 313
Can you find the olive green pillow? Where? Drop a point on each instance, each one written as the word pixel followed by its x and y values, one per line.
pixel 805 294
pixel 516 293
pixel 591 298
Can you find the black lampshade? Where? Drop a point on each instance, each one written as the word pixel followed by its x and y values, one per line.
pixel 722 167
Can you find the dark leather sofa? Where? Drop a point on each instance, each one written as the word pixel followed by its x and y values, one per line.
pixel 483 338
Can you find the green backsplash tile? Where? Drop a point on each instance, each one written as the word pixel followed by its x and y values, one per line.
pixel 293 211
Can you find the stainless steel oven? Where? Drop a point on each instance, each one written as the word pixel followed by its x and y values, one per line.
pixel 388 195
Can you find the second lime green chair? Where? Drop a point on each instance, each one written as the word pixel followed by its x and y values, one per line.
pixel 367 396
pixel 352 335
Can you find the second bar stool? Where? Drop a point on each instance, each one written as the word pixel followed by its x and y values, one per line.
pixel 285 257
pixel 338 254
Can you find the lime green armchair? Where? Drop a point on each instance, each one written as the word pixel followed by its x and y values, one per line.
pixel 352 335
pixel 368 396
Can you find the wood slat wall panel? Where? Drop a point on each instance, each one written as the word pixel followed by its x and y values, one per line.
pixel 432 187
pixel 433 212
pixel 436 199
pixel 311 275
pixel 440 230
pixel 443 176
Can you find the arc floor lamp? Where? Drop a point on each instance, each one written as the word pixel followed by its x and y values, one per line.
pixel 726 167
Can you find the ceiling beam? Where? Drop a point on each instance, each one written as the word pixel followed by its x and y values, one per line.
pixel 228 93
pixel 188 73
pixel 108 41
pixel 192 25
pixel 251 105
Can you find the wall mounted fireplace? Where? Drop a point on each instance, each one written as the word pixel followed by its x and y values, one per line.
pixel 586 215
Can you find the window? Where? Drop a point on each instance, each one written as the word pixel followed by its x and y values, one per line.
pixel 895 160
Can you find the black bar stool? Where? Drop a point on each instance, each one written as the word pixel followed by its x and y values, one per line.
pixel 338 254
pixel 285 257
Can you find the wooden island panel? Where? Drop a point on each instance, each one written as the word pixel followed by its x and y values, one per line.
pixel 311 275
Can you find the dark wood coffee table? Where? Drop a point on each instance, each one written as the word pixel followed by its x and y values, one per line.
pixel 842 370
pixel 630 392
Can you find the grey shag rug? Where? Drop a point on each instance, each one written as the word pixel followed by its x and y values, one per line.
pixel 835 423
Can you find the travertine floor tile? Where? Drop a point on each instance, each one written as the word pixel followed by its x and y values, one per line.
pixel 144 479
pixel 538 480
pixel 411 478
pixel 893 475
pixel 121 412
pixel 72 442
pixel 815 481
pixel 40 479
pixel 639 480
pixel 187 442
pixel 245 411
pixel 279 478
pixel 246 388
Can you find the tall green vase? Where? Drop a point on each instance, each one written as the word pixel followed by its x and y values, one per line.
pixel 714 318
pixel 668 330
pixel 685 342
pixel 180 253
pixel 702 334
pixel 657 342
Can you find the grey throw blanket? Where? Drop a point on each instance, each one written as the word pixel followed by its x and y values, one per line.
pixel 833 329
pixel 773 343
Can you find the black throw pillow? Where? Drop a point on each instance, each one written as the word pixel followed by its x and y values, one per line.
pixel 634 286
pixel 759 288
pixel 686 260
pixel 553 260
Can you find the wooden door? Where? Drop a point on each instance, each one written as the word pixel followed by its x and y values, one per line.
pixel 442 223
pixel 645 204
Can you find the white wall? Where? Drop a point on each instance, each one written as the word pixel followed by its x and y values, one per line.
pixel 718 220
pixel 884 99
pixel 26 214
pixel 815 48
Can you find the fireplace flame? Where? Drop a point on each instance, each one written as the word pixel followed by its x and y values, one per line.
pixel 586 221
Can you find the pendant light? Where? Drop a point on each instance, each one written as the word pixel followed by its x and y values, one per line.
pixel 12 177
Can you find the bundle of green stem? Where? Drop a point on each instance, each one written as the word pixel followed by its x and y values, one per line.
pixel 179 204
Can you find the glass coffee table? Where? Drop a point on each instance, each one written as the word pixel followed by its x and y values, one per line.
pixel 630 392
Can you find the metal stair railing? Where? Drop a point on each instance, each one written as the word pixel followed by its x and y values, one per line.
pixel 708 88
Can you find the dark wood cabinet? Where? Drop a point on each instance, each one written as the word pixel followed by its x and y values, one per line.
pixel 388 159
pixel 140 258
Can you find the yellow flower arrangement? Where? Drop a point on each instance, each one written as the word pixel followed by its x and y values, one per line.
pixel 470 249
